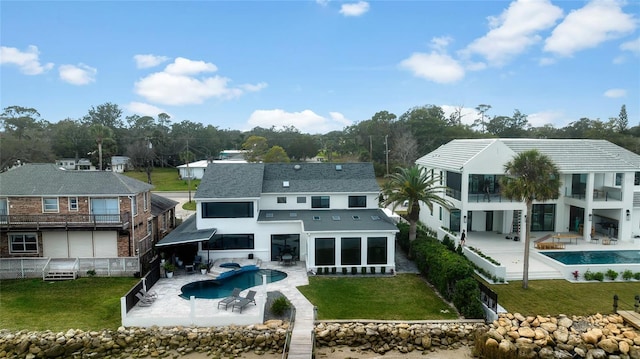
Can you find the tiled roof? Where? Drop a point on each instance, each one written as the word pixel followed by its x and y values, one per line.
pixel 160 204
pixel 319 178
pixel 570 155
pixel 231 180
pixel 333 220
pixel 49 180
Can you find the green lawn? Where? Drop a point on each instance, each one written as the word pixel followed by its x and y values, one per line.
pixel 403 297
pixel 85 303
pixel 552 297
pixel 165 179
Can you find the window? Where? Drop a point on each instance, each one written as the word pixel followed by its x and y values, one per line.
pixel 377 250
pixel 282 199
pixel 134 205
pixel 619 179
pixel 320 202
pixel 227 210
pixel 357 201
pixel 73 203
pixel 301 199
pixel 149 227
pixel 440 213
pixel 23 243
pixel 351 253
pixel 325 251
pixel 4 207
pixel 50 204
pixel 105 209
pixel 145 198
pixel 229 241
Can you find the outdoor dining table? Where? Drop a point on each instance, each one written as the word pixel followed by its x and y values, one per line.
pixel 287 259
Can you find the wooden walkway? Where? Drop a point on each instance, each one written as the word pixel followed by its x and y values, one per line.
pixel 630 317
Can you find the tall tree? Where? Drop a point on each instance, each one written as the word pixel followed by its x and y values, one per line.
pixel 276 154
pixel 256 147
pixel 101 134
pixel 21 128
pixel 622 121
pixel 482 111
pixel 415 185
pixel 530 176
pixel 108 114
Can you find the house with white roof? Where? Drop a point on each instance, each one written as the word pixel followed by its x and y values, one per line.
pixel 324 214
pixel 196 170
pixel 599 195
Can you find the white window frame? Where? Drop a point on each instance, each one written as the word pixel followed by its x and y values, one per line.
pixel 149 227
pixel 145 198
pixel 134 205
pixel 45 205
pixel 11 238
pixel 71 204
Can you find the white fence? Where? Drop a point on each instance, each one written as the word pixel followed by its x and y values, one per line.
pixel 13 268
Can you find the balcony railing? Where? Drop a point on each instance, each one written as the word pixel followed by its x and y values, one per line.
pixel 38 221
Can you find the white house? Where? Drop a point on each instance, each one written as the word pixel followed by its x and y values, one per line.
pixel 600 189
pixel 81 164
pixel 196 170
pixel 325 214
pixel 119 163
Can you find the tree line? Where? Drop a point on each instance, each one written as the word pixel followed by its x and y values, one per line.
pixel 385 139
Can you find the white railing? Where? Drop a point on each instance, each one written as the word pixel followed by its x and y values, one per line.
pixel 14 268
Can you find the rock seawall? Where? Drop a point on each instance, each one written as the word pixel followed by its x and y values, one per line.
pixel 142 342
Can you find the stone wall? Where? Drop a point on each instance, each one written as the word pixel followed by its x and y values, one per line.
pixel 381 337
pixel 597 336
pixel 142 342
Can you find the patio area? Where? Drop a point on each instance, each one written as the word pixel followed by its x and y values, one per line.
pixel 170 309
pixel 510 254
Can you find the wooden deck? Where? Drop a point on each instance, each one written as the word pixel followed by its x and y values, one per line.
pixel 631 317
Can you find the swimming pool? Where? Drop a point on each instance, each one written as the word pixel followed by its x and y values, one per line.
pixel 595 257
pixel 220 288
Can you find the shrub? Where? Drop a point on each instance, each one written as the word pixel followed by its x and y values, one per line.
pixel 91 272
pixel 363 270
pixel 354 270
pixel 326 270
pixel 599 276
pixel 344 270
pixel 589 275
pixel 465 298
pixel 611 274
pixel 280 305
pixel 449 243
pixel 636 275
pixel 372 270
pixel 383 270
pixel 627 274
pixel 333 270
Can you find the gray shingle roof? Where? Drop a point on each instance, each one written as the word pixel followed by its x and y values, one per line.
pixel 48 180
pixel 231 180
pixel 570 155
pixel 319 178
pixel 160 204
pixel 367 219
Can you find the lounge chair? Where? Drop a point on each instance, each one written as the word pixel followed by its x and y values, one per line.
pixel 151 294
pixel 251 296
pixel 144 301
pixel 230 299
pixel 242 302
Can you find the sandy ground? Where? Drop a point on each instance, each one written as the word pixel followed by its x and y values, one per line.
pixel 352 353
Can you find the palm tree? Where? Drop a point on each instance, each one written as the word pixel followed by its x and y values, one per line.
pixel 530 176
pixel 413 185
pixel 101 134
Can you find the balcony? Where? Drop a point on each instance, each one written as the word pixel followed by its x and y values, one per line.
pixel 64 221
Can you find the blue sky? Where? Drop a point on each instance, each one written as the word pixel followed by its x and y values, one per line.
pixel 321 65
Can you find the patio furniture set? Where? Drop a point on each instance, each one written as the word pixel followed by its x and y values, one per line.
pixel 236 301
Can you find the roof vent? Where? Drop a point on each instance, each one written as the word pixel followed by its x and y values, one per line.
pixel 335 218
pixel 338 167
pixel 296 167
pixel 293 214
pixel 316 218
pixel 356 218
pixel 375 218
pixel 285 184
pixel 269 215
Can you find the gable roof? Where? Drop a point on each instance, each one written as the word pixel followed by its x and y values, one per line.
pixel 569 155
pixel 48 180
pixel 160 204
pixel 319 178
pixel 231 180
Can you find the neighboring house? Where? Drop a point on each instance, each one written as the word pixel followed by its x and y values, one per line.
pixel 73 164
pixel 196 170
pixel 119 163
pixel 325 214
pixel 54 213
pixel 600 188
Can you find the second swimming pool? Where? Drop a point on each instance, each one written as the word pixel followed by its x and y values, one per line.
pixel 220 288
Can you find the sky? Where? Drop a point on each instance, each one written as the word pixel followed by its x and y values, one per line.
pixel 321 65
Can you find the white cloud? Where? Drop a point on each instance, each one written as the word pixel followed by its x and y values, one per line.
pixel 179 84
pixel 546 61
pixel 555 118
pixel 515 30
pixel 595 23
pixel 306 121
pixel 28 61
pixel 354 9
pixel 80 74
pixel 633 46
pixel 615 93
pixel 322 2
pixel 440 68
pixel 469 115
pixel 144 109
pixel 440 43
pixel 149 60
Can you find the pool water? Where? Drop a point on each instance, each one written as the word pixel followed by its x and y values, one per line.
pixel 595 257
pixel 220 288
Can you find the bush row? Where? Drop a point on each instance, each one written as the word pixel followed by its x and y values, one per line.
pixel 449 272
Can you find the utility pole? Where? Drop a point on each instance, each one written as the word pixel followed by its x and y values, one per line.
pixel 386 151
pixel 188 156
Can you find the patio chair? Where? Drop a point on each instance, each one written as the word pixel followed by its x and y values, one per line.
pixel 149 293
pixel 144 301
pixel 251 296
pixel 230 299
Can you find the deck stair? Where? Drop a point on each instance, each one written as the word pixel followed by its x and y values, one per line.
pixel 60 269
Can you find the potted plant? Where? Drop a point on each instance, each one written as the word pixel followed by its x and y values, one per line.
pixel 169 268
pixel 203 268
